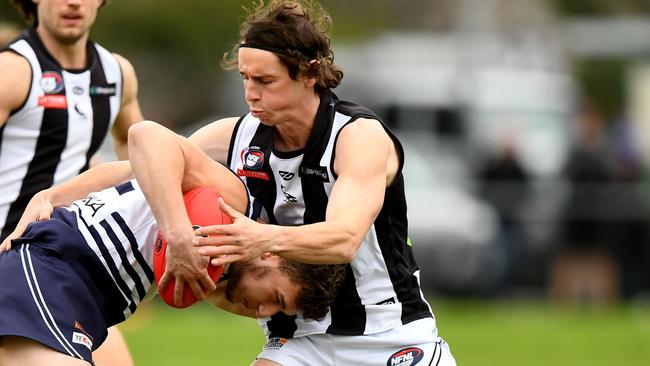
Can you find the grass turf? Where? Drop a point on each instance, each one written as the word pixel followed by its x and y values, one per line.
pixel 480 333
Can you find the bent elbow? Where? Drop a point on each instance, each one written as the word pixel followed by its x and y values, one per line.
pixel 349 249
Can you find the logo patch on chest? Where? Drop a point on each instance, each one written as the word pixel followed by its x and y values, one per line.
pixel 51 82
pixel 320 172
pixel 252 159
pixel 107 90
pixel 53 101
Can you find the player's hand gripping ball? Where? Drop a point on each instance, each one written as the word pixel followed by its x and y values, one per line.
pixel 203 210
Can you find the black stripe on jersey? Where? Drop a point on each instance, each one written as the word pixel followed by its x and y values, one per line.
pixel 261 190
pixel 282 325
pixel 348 313
pixel 110 263
pixel 100 104
pixel 40 171
pixel 134 245
pixel 125 187
pixel 398 256
pixel 117 244
pixel 313 189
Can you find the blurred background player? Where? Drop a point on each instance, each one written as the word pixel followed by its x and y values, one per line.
pixel 60 95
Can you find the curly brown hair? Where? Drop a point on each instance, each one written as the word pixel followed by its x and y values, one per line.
pixel 28 9
pixel 318 283
pixel 297 32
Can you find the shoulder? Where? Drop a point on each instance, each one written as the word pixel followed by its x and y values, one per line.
pixel 127 68
pixel 12 63
pixel 363 128
pixel 15 79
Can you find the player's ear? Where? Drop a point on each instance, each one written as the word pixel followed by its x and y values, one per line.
pixel 267 255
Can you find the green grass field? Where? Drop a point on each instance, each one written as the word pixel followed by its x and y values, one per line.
pixel 480 333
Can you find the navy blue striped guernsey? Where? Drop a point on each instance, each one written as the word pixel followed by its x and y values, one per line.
pixel 382 289
pixel 60 126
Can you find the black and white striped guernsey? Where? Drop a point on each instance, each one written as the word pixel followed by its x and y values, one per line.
pixel 382 288
pixel 61 124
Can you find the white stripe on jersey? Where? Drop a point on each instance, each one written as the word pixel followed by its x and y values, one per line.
pixel 80 122
pixel 132 207
pixel 369 264
pixel 22 144
pixel 289 207
pixel 91 243
pixel 113 74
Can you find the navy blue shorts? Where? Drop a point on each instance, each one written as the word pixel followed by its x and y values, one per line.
pixel 44 297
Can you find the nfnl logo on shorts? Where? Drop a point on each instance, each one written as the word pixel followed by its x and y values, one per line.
pixel 275 343
pixel 80 338
pixel 406 357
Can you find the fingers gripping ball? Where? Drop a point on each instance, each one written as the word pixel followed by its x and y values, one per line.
pixel 203 210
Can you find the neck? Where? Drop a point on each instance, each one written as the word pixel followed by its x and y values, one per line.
pixel 292 135
pixel 68 55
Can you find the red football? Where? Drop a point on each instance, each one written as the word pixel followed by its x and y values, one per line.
pixel 203 210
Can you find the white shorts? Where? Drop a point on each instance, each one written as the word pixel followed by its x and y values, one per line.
pixel 416 343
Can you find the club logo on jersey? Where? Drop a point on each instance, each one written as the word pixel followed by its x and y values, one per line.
pixel 288 198
pixel 53 101
pixel 275 343
pixel 51 82
pixel 108 90
pixel 406 357
pixel 253 160
pixel 286 175
pixel 80 112
pixel 77 90
pixel 320 172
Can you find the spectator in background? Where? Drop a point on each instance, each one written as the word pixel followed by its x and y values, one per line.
pixel 584 270
pixel 504 184
pixel 630 228
pixel 60 95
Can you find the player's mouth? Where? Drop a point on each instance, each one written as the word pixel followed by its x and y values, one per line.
pixel 256 113
pixel 71 19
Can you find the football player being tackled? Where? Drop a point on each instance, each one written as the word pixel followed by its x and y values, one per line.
pixel 85 263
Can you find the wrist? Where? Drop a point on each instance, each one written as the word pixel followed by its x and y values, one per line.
pixel 50 195
pixel 278 237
